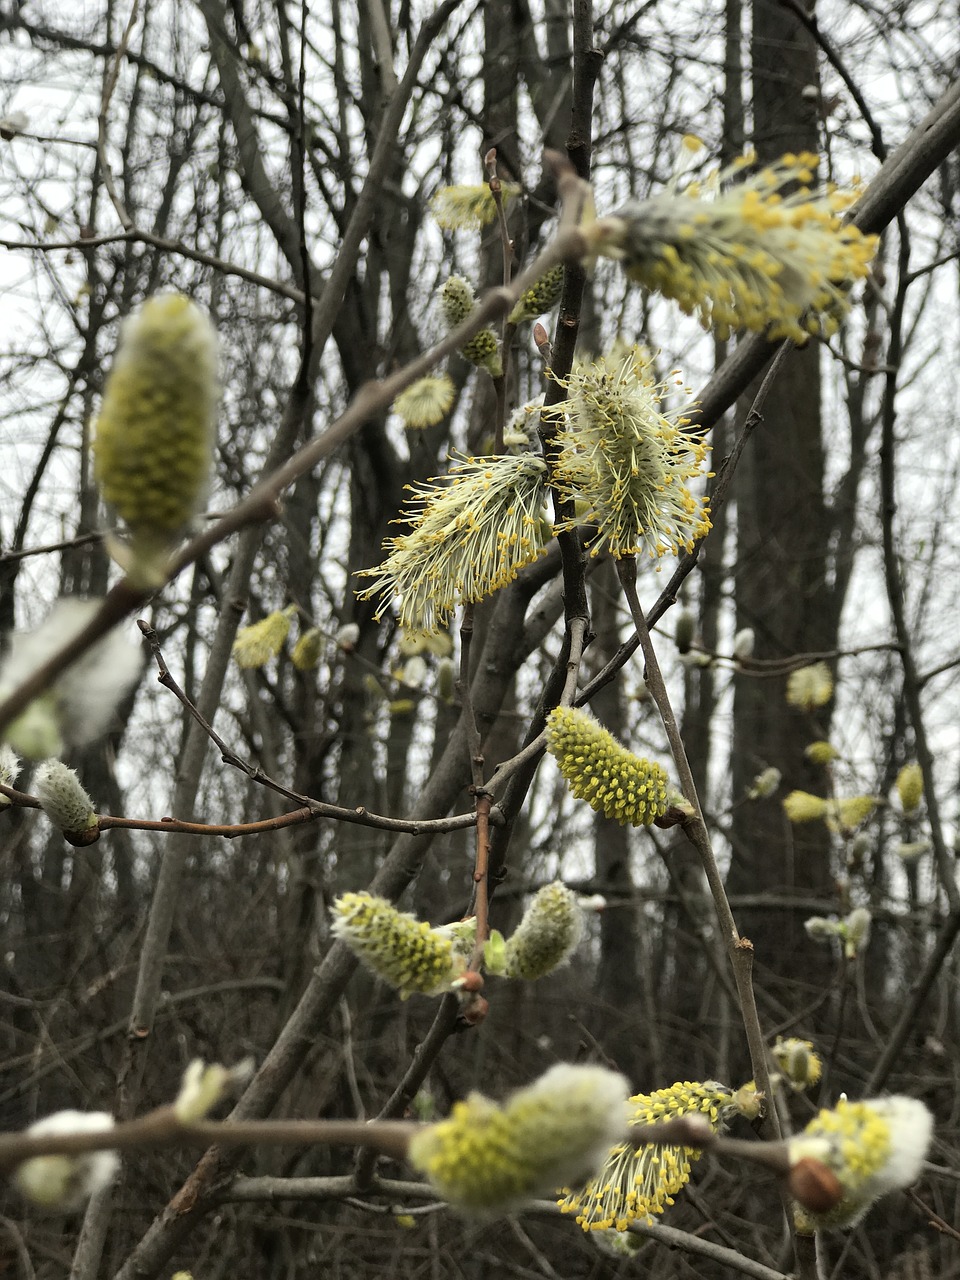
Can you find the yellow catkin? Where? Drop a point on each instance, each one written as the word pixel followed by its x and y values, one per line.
pixel 611 779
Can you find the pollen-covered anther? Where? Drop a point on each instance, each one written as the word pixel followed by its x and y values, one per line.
pixel 749 257
pixel 628 461
pixel 471 533
pixel 637 1182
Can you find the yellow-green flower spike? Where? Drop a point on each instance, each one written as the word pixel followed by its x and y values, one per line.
pixel 474 531
pixel 153 440
pixel 821 752
pixel 456 301
pixel 256 644
pixel 425 402
pixel 764 784
pixel 488 1159
pixel 308 649
pixel 910 787
pixel 843 816
pixel 468 207
pixel 548 934
pixel 611 779
pixel 540 298
pixel 810 687
pixel 63 799
pixel 637 1182
pixel 749 257
pixel 627 461
pixel 872 1147
pixel 801 806
pixel 798 1063
pixel 483 350
pixel 402 950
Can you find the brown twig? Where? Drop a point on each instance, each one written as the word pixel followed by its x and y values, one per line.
pixel 739 949
pixel 506 329
pixel 109 86
pixel 163 1128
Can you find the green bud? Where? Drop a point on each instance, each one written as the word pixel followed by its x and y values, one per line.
pixel 495 953
pixel 446 679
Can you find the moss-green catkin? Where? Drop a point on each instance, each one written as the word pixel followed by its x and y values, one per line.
pixel 549 932
pixel 456 301
pixel 540 298
pixel 483 350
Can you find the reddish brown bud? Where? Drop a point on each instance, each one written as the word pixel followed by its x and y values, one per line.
pixel 814 1186
pixel 475 1010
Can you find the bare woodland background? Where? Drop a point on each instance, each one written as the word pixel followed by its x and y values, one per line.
pixel 235 179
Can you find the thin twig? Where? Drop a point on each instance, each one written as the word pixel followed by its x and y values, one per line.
pixel 109 85
pixel 739 949
pixel 134 235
